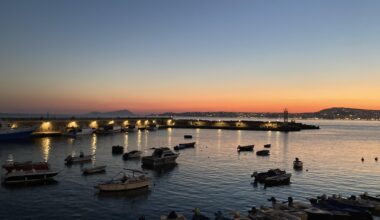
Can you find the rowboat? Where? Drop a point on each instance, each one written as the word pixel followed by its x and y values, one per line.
pixel 267 145
pixel 117 149
pixel 132 154
pixel 184 146
pixel 98 169
pixel 125 182
pixel 187 136
pixel 245 148
pixel 262 153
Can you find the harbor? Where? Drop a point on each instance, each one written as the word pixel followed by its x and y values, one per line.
pixel 212 175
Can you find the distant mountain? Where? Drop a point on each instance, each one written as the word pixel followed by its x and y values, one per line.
pixel 119 113
pixel 348 113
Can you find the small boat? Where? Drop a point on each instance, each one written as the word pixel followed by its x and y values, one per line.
pixel 74 132
pixel 245 148
pixel 297 164
pixel 272 177
pixel 131 128
pixel 267 145
pixel 19 176
pixel 117 149
pixel 132 154
pixel 92 170
pixel 125 182
pixel 365 196
pixel 262 153
pixel 271 214
pixel 160 156
pixel 187 136
pixel 184 146
pixel 108 129
pixel 78 159
pixel 173 216
pixel 27 165
pixel 152 127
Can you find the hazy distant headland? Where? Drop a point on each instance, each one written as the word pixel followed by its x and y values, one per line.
pixel 329 113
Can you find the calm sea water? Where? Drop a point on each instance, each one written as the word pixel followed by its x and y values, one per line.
pixel 213 176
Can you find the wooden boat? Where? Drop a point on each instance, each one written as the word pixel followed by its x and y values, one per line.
pixel 267 145
pixel 78 159
pixel 245 148
pixel 126 182
pixel 160 156
pixel 187 136
pixel 117 149
pixel 262 153
pixel 173 216
pixel 132 154
pixel 297 164
pixel 18 176
pixel 262 177
pixel 92 170
pixel 184 146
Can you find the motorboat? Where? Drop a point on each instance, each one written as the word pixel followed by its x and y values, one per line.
pixel 160 156
pixel 272 177
pixel 8 133
pixel 184 146
pixel 117 149
pixel 22 176
pixel 262 153
pixel 187 136
pixel 152 127
pixel 245 147
pixel 92 170
pixel 173 216
pixel 26 166
pixel 74 132
pixel 78 159
pixel 125 182
pixel 297 164
pixel 267 145
pixel 132 154
pixel 108 129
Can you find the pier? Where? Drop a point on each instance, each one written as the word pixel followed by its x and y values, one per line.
pixel 57 126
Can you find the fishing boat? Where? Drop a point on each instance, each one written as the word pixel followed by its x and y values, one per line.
pixel 272 177
pixel 267 145
pixel 125 182
pixel 187 136
pixel 132 154
pixel 78 159
pixel 160 156
pixel 21 176
pixel 92 170
pixel 8 133
pixel 117 149
pixel 184 146
pixel 297 164
pixel 262 153
pixel 245 148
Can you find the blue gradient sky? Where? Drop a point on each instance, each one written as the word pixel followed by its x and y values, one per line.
pixel 154 56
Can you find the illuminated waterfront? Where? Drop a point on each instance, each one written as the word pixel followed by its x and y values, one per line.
pixel 213 176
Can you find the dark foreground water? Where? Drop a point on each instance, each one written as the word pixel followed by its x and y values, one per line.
pixel 213 176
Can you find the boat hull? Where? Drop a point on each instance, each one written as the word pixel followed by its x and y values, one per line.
pixel 28 176
pixel 94 170
pixel 112 187
pixel 7 136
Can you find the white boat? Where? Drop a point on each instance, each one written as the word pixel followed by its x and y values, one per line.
pixel 126 182
pixel 92 170
pixel 21 176
pixel 160 156
pixel 78 159
pixel 73 132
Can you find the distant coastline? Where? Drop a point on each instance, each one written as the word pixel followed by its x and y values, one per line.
pixel 336 113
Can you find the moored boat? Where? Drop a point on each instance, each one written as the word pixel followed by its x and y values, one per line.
pixel 20 176
pixel 8 133
pixel 245 147
pixel 27 165
pixel 184 146
pixel 272 177
pixel 74 132
pixel 160 156
pixel 262 153
pixel 92 170
pixel 365 196
pixel 267 145
pixel 125 182
pixel 297 164
pixel 78 159
pixel 117 149
pixel 173 216
pixel 132 154
pixel 187 136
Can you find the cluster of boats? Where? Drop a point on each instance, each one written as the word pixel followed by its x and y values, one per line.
pixel 264 152
pixel 335 207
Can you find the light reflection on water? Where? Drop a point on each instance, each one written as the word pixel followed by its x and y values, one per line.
pixel 212 176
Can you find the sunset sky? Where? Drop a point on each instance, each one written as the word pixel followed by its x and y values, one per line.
pixel 173 55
